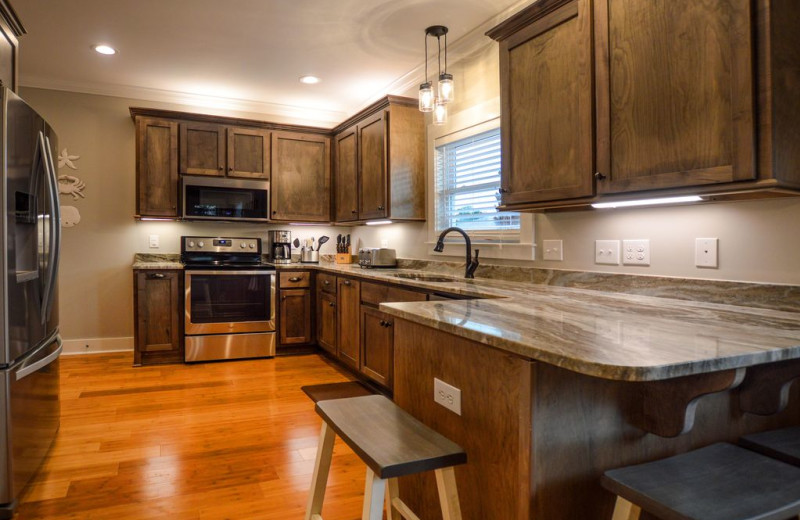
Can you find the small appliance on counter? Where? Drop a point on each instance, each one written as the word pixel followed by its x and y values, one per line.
pixel 377 257
pixel 280 246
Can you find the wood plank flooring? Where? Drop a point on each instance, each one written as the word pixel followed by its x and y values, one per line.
pixel 210 441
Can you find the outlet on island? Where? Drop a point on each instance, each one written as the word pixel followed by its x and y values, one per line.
pixel 447 396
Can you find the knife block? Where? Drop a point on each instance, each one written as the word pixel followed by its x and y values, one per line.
pixel 344 258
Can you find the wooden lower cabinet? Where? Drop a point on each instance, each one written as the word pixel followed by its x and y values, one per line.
pixel 158 307
pixel 377 346
pixel 295 318
pixel 348 335
pixel 326 321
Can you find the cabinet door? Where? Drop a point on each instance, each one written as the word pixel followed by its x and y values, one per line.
pixel 248 153
pixel 674 93
pixel 300 182
pixel 9 50
pixel 156 168
pixel 346 176
pixel 546 78
pixel 202 149
pixel 377 348
pixel 295 316
pixel 326 320
pixel 372 165
pixel 349 321
pixel 157 303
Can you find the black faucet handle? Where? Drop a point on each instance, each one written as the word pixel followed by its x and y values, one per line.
pixel 477 252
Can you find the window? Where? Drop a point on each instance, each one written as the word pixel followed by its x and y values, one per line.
pixel 467 187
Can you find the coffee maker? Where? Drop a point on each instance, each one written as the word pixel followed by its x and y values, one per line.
pixel 280 246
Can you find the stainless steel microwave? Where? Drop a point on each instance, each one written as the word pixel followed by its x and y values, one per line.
pixel 222 198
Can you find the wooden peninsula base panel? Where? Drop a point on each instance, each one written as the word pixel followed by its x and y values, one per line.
pixel 539 437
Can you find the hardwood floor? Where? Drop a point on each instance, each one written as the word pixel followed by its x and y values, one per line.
pixel 210 441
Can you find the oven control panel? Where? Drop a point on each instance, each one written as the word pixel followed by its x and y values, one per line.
pixel 220 245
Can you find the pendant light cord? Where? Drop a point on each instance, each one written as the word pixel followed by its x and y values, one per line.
pixel 439 44
pixel 426 58
pixel 445 53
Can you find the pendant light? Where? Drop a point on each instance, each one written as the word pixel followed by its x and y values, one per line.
pixel 428 100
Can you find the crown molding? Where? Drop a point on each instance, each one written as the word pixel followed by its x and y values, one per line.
pixel 211 104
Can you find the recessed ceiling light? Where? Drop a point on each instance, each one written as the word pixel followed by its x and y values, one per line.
pixel 309 80
pixel 105 49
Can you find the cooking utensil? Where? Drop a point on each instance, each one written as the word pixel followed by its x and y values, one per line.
pixel 322 240
pixel 296 242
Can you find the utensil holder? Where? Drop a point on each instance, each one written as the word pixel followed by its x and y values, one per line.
pixel 307 256
pixel 344 258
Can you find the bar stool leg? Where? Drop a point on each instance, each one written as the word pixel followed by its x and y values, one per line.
pixel 624 510
pixel 448 493
pixel 322 465
pixel 374 488
pixel 392 492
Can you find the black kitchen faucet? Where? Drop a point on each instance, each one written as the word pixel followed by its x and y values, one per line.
pixel 472 263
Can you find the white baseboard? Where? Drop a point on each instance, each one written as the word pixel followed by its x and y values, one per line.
pixel 97 345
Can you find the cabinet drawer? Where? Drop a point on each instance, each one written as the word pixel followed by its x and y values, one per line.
pixel 375 294
pixel 295 279
pixel 326 283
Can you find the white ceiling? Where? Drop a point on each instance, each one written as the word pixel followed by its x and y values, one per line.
pixel 243 54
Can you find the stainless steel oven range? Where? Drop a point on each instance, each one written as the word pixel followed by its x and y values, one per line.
pixel 229 300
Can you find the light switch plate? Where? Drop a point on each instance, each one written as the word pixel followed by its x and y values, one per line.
pixel 636 252
pixel 606 252
pixel 553 250
pixel 447 396
pixel 154 241
pixel 705 252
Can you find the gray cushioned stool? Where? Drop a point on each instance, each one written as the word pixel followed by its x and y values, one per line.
pixel 783 444
pixel 718 482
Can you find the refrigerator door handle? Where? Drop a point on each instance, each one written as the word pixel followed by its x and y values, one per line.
pixel 54 249
pixel 38 365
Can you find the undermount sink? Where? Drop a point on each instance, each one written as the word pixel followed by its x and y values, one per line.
pixel 425 277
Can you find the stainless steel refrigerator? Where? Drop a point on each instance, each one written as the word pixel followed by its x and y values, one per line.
pixel 30 230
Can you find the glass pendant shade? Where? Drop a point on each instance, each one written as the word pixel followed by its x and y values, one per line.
pixel 439 113
pixel 426 97
pixel 446 88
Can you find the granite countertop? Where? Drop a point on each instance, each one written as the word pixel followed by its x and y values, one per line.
pixel 610 335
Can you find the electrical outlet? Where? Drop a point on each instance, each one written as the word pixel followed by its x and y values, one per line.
pixel 447 396
pixel 606 252
pixel 384 242
pixel 553 250
pixel 154 241
pixel 636 252
pixel 705 252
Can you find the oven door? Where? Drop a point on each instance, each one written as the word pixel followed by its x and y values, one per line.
pixel 229 302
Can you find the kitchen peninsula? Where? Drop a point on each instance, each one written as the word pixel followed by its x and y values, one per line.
pixel 560 383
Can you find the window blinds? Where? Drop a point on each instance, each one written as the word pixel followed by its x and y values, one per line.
pixel 467 183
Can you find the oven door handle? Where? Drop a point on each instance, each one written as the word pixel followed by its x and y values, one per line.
pixel 232 272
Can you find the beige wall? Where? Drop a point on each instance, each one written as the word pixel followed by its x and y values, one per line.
pixel 96 281
pixel 758 240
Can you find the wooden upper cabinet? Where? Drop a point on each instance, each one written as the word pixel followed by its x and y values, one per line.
pixel 547 135
pixel 300 184
pixel 248 153
pixel 202 149
pixel 380 163
pixel 373 196
pixel 10 30
pixel 346 175
pixel 675 93
pixel 156 168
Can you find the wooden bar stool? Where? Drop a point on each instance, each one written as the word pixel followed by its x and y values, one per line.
pixel 392 444
pixel 718 482
pixel 781 444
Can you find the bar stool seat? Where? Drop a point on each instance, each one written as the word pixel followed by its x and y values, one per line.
pixel 392 444
pixel 718 482
pixel 783 444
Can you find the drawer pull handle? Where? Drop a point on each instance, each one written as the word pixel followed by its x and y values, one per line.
pixel 346 282
pixel 599 176
pixel 156 276
pixel 331 304
pixel 326 282
pixel 295 279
